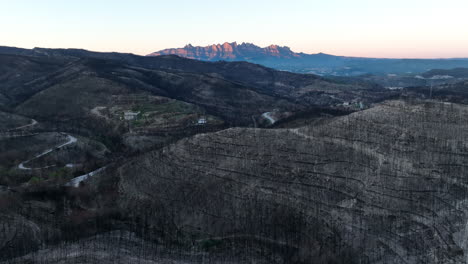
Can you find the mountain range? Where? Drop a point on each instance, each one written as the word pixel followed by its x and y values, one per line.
pixel 283 58
pixel 231 51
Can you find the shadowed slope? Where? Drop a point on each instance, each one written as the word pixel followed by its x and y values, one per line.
pixel 384 185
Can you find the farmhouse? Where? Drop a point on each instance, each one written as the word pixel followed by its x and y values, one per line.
pixel 130 115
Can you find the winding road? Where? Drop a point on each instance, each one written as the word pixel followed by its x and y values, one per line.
pixel 71 140
pixel 75 182
pixel 268 116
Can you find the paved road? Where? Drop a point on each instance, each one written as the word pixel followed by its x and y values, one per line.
pixel 268 116
pixel 75 182
pixel 71 140
pixel 33 123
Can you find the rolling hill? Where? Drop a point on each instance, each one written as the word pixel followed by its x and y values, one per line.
pixel 109 157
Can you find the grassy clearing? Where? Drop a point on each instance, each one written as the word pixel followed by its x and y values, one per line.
pixel 169 107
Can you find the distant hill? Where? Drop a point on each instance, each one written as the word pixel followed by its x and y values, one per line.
pixel 233 91
pixel 283 58
pixel 397 81
pixel 447 73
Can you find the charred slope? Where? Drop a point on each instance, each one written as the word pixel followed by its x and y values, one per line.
pixel 20 74
pixel 266 80
pixel 88 83
pixel 235 91
pixel 450 92
pixel 231 78
pixel 382 185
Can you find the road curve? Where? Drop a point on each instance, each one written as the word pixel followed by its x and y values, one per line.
pixel 71 140
pixel 33 123
pixel 268 116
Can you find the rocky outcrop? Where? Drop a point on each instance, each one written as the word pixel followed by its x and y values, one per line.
pixel 230 52
pixel 385 185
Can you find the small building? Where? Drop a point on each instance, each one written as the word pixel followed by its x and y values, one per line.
pixel 202 121
pixel 130 115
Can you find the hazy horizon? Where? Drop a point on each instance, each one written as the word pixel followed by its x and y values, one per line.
pixel 221 43
pixel 363 28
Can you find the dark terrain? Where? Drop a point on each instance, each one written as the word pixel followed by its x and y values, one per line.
pixel 436 77
pixel 118 158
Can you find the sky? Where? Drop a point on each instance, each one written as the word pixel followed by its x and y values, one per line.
pixel 368 28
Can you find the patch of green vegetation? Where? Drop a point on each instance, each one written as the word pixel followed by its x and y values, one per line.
pixel 139 122
pixel 169 107
pixel 35 180
pixel 11 176
pixel 112 142
pixel 4 171
pixel 208 244
pixel 60 174
pixel 172 112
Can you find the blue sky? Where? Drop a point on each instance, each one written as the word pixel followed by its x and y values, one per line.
pixel 411 28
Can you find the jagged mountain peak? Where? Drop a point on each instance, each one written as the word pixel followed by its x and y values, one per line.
pixel 230 51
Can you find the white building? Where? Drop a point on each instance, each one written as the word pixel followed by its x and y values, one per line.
pixel 202 121
pixel 129 115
